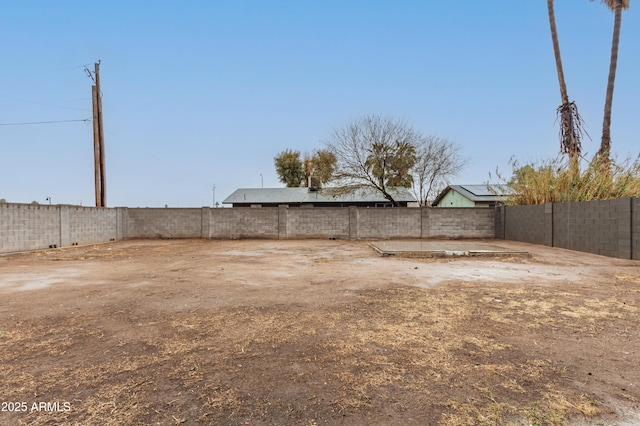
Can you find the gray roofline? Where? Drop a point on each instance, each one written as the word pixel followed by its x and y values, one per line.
pixel 304 195
pixel 470 195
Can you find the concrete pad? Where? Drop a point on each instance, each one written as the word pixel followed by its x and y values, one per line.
pixel 444 249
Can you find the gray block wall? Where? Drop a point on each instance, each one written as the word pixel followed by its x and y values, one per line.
pixel 28 227
pixel 600 227
pixel 525 223
pixel 610 227
pixel 33 227
pixel 374 223
pixel 244 223
pixel 499 224
pixel 315 223
pixel 87 225
pixel 606 227
pixel 635 228
pixel 458 223
pixel 164 223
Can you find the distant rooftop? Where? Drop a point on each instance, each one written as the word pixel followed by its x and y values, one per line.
pixel 478 193
pixel 305 196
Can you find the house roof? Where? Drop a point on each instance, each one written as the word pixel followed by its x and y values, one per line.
pixel 303 195
pixel 478 193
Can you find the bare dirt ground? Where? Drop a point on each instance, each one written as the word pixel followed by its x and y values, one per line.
pixel 315 332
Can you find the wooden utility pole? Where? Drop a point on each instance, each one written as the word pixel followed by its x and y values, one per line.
pixel 98 141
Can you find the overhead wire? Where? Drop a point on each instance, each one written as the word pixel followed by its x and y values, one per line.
pixel 86 120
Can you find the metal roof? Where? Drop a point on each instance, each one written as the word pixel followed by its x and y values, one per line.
pixel 303 195
pixel 478 193
pixel 266 195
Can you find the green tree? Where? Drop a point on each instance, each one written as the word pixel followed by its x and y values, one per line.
pixel 390 163
pixel 318 168
pixel 374 152
pixel 289 168
pixel 616 6
pixel 324 166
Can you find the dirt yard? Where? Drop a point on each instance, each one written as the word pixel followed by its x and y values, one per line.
pixel 316 332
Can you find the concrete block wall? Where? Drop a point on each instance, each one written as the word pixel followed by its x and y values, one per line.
pixel 635 228
pixel 525 223
pixel 458 223
pixel 34 227
pixel 499 223
pixel 163 223
pixel 374 223
pixel 605 227
pixel 88 225
pixel 315 222
pixel 244 223
pixel 600 227
pixel 610 228
pixel 624 225
pixel 28 227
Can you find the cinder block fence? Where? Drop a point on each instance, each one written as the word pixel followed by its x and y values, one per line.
pixel 610 228
pixel 33 227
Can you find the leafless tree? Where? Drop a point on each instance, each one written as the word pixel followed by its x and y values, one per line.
pixel 438 160
pixel 374 152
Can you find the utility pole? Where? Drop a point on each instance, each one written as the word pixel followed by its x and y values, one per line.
pixel 98 139
pixel 96 146
pixel 214 197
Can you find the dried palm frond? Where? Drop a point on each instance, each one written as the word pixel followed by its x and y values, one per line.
pixel 571 129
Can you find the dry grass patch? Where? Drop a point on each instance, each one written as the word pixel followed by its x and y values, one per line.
pixel 454 355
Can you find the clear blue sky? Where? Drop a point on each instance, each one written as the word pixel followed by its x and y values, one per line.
pixel 197 93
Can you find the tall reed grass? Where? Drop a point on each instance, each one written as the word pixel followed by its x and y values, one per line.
pixel 563 180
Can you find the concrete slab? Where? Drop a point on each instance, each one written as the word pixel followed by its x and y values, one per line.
pixel 444 249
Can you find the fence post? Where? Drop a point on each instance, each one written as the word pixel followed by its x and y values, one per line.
pixel 65 230
pixel 499 222
pixel 353 223
pixel 282 222
pixel 205 224
pixel 624 212
pixel 548 224
pixel 424 222
pixel 635 228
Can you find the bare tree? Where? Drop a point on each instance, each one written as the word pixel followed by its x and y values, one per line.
pixel 374 152
pixel 437 160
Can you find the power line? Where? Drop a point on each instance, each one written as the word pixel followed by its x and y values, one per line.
pixel 86 120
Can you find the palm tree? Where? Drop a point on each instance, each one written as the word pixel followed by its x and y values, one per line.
pixel 616 6
pixel 570 121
